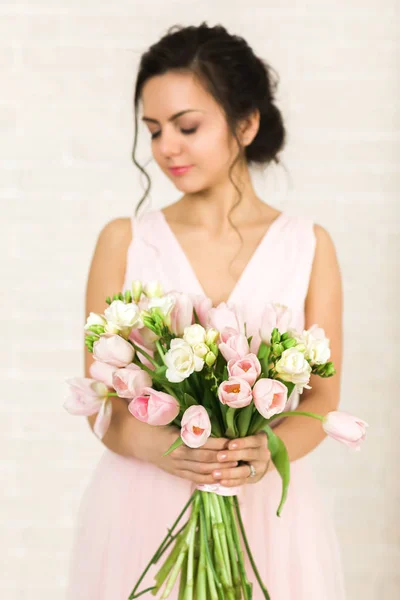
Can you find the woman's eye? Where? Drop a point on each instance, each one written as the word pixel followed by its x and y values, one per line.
pixel 185 131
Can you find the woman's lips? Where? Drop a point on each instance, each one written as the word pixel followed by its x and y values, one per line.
pixel 180 170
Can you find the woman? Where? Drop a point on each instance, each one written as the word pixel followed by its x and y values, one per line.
pixel 208 104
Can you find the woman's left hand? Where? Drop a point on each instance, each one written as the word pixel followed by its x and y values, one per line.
pixel 252 449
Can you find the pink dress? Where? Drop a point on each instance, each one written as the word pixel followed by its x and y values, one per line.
pixel 129 504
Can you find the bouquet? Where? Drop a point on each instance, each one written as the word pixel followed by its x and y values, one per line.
pixel 178 360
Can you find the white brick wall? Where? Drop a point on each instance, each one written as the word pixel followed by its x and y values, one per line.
pixel 66 131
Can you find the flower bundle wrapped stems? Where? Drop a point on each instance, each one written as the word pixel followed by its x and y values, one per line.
pixel 207 554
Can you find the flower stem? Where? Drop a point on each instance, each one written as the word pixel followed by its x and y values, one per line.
pixel 201 583
pixel 231 546
pixel 222 559
pixel 246 543
pixel 187 544
pixel 290 413
pixel 160 351
pixel 246 585
pixel 144 353
pixel 157 553
pixel 214 583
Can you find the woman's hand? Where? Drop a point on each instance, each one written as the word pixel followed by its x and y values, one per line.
pixel 194 464
pixel 252 449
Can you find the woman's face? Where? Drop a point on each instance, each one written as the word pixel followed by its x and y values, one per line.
pixel 200 138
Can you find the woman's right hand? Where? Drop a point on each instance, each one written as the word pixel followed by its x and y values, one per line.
pixel 194 464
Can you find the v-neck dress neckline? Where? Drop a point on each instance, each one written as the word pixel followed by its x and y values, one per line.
pixel 251 265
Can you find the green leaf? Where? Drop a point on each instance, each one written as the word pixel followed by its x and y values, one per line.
pixel 244 419
pixel 176 444
pixel 263 356
pixel 280 458
pixel 196 317
pixel 189 400
pixel 231 431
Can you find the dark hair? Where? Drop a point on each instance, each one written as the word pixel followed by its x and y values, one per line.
pixel 227 67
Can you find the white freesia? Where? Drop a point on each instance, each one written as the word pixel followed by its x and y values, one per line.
pixel 94 319
pixel 201 349
pixel 122 317
pixel 212 336
pixel 153 289
pixel 123 314
pixel 164 303
pixel 294 367
pixel 194 334
pixel 181 361
pixel 317 345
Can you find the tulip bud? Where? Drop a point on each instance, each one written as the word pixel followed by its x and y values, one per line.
pixel 137 289
pixel 210 359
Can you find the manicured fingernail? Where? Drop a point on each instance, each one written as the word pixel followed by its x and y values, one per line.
pixel 222 456
pixel 234 445
pixel 217 474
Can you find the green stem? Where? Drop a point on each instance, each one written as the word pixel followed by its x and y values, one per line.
pixel 221 559
pixel 231 546
pixel 246 543
pixel 188 542
pixel 144 353
pixel 213 580
pixel 291 413
pixel 160 351
pixel 190 563
pixel 222 532
pixel 182 583
pixel 154 559
pixel 246 585
pixel 168 543
pixel 201 583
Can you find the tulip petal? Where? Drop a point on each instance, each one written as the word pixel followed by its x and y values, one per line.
pixel 103 420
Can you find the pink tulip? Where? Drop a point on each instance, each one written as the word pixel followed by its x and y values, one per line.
pixel 88 398
pixel 154 408
pixel 202 306
pixel 224 316
pixel 101 371
pixel 274 315
pixel 113 350
pixel 270 397
pixel 103 420
pixel 146 342
pixel 130 381
pixel 236 392
pixel 345 428
pixel 235 347
pixel 195 426
pixel 247 368
pixel 182 313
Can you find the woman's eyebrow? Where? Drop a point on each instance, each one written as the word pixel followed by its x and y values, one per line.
pixel 175 116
